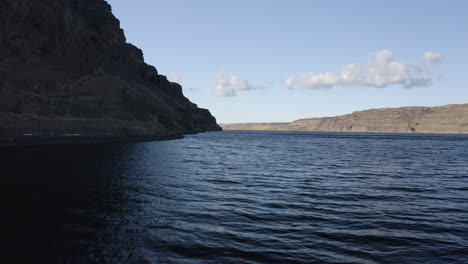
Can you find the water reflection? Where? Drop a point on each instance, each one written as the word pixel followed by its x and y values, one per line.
pixel 68 202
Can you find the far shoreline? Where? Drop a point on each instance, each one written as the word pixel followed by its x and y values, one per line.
pixel 445 119
pixel 344 132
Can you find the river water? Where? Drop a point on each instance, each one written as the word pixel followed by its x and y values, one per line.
pixel 239 197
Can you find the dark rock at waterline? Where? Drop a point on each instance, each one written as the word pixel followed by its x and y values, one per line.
pixel 65 67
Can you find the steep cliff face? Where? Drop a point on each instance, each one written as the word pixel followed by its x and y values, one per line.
pixel 65 67
pixel 448 119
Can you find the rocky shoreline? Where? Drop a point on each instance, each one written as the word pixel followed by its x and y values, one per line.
pixel 29 140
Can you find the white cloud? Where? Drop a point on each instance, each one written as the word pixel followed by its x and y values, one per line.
pixel 423 81
pixel 287 84
pixel 176 78
pixel 230 87
pixel 432 59
pixel 381 71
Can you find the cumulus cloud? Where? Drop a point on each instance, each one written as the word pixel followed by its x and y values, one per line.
pixel 230 86
pixel 432 60
pixel 176 78
pixel 423 81
pixel 380 71
pixel 288 83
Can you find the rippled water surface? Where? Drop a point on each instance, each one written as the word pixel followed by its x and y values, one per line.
pixel 240 197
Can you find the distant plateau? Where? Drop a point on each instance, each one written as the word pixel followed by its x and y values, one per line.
pixel 447 119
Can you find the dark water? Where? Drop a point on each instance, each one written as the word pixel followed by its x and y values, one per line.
pixel 239 197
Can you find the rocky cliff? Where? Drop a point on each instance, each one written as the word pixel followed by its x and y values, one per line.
pixel 65 67
pixel 448 119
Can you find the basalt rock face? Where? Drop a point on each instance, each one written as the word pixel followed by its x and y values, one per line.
pixel 448 119
pixel 65 67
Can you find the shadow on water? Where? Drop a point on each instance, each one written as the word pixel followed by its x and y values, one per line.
pixel 67 203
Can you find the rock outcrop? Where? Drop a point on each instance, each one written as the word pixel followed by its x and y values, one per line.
pixel 448 119
pixel 65 67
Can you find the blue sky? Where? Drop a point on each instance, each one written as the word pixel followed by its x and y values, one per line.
pixel 233 57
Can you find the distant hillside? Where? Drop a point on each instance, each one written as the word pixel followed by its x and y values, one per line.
pixel 447 119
